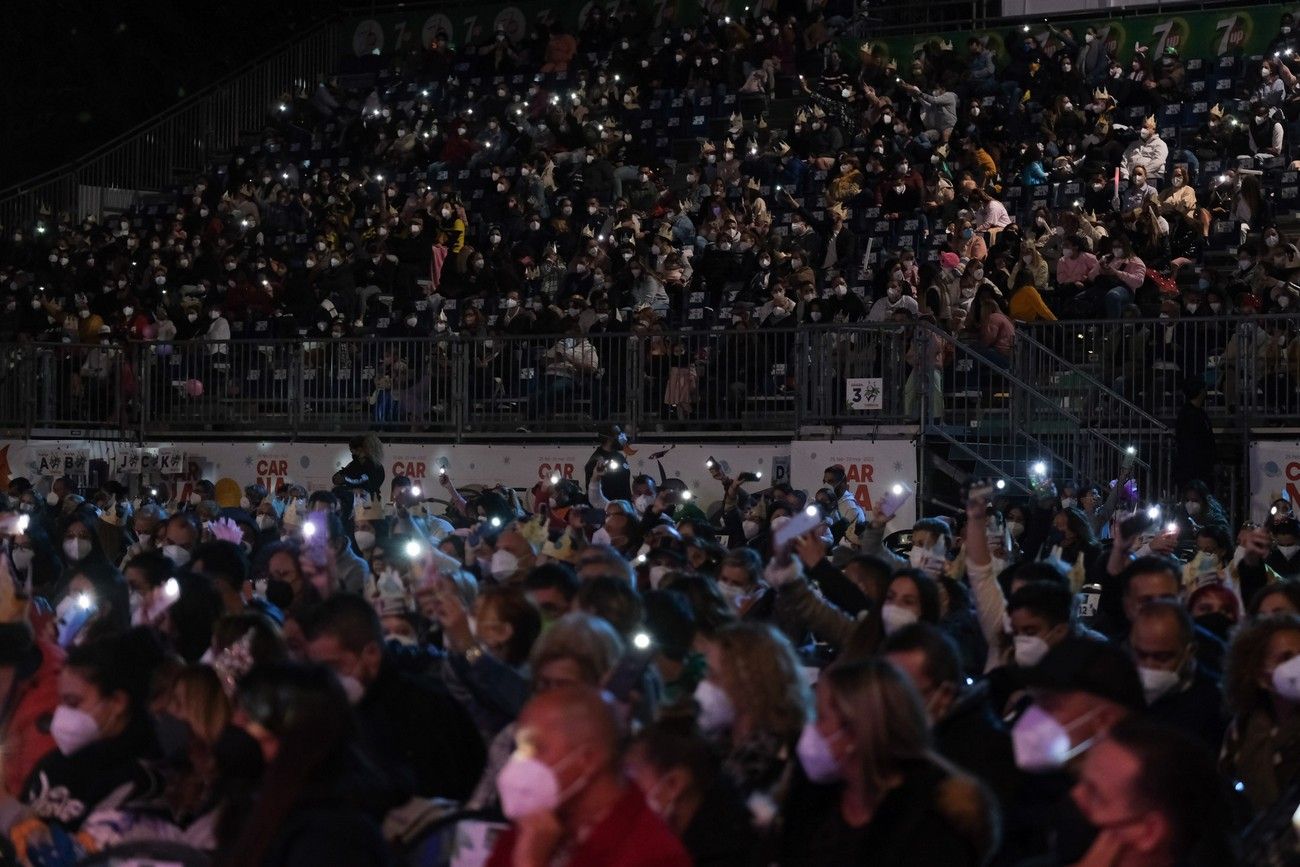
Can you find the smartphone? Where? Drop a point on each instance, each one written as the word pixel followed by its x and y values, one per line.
pixel 899 493
pixel 14 524
pixel 799 524
pixel 629 673
pixel 748 477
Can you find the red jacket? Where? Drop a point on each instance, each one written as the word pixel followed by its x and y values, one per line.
pixel 456 150
pixel 27 722
pixel 630 836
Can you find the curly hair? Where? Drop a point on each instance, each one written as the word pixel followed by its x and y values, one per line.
pixel 763 678
pixel 1246 660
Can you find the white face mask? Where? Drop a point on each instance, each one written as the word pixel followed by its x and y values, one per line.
pixel 1193 507
pixel 504 564
pixel 1016 529
pixel 365 539
pixel 643 502
pixel 657 574
pixel 1288 551
pixel 73 729
pixel 22 558
pixel 528 786
pixel 1040 743
pixel 265 522
pixel 716 710
pixel 1286 679
pixel 176 554
pixel 895 617
pixel 733 594
pixel 750 528
pixel 1156 682
pixel 815 755
pixel 354 689
pixel 929 560
pixel 1029 650
pixel 76 549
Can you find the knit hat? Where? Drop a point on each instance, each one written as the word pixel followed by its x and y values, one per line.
pixel 227 493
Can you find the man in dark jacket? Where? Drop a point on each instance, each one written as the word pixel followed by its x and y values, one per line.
pixel 1177 690
pixel 409 723
pixel 598 177
pixel 1194 450
pixel 1284 557
pixel 966 731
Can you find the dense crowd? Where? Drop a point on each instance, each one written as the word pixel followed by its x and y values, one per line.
pixel 743 173
pixel 512 209
pixel 614 669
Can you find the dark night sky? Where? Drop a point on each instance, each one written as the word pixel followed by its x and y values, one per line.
pixel 78 72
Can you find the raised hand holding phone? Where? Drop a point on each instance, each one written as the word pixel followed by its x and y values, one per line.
pixel 894 500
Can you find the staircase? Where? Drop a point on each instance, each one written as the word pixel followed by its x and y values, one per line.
pixel 1040 417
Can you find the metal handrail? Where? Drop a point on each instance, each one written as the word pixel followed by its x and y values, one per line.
pixel 1022 337
pixel 1029 390
pixel 1007 372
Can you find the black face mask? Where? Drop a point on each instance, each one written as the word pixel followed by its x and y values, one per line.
pixel 238 754
pixel 1217 624
pixel 173 735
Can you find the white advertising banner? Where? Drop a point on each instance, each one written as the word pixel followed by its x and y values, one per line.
pixel 869 464
pixel 872 467
pixel 1274 474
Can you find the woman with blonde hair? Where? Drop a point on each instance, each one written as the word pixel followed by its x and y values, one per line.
pixel 896 800
pixel 184 803
pixel 753 702
pixel 198 700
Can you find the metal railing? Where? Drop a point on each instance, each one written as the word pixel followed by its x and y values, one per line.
pixel 1250 365
pixel 693 382
pixel 998 421
pixel 1077 394
pixel 181 141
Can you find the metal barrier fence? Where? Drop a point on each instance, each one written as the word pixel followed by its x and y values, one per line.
pixel 1119 377
pixel 160 152
pixel 1250 365
pixel 1077 394
pixel 719 382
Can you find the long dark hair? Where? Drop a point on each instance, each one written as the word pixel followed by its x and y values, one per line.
pixel 305 708
pixel 122 663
